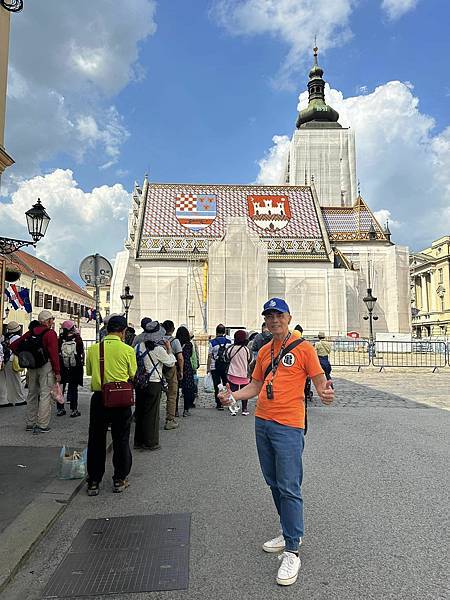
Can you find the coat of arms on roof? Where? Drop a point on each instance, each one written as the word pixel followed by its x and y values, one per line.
pixel 269 212
pixel 195 211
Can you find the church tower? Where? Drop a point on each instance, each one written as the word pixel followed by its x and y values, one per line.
pixel 322 151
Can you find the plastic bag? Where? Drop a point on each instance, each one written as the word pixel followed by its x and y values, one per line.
pixel 72 463
pixel 208 384
pixel 57 393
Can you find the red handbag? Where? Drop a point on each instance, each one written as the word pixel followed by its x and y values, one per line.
pixel 116 394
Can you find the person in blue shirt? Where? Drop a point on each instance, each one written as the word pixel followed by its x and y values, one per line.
pixel 217 361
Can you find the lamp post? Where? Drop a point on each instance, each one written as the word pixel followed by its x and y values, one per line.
pixel 126 298
pixel 37 222
pixel 370 302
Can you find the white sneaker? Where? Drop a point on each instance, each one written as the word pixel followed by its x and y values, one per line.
pixel 289 568
pixel 277 544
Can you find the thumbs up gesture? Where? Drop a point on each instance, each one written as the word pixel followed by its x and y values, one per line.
pixel 326 393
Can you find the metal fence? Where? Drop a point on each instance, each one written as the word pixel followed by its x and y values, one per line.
pixel 350 353
pixel 410 354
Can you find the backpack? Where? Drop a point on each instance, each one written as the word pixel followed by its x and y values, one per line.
pixel 142 377
pixel 222 361
pixel 6 351
pixel 69 353
pixel 32 354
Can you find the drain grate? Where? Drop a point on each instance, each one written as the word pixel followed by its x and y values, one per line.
pixel 125 555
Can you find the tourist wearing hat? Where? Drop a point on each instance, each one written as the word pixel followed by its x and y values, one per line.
pixel 71 353
pixel 323 349
pixel 239 358
pixel 42 379
pixel 119 365
pixel 11 388
pixel 278 380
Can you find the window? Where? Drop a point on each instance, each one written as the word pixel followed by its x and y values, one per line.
pixel 108 296
pixel 441 275
pixel 442 303
pixel 69 307
pixel 63 305
pixel 55 306
pixel 39 299
pixel 47 301
pixel 75 308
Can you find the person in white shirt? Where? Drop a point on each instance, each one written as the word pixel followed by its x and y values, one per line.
pixel 11 393
pixel 153 353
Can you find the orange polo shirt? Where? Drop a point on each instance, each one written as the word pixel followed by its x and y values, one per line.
pixel 288 405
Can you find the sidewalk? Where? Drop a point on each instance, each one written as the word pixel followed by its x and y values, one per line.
pixel 31 497
pixel 375 504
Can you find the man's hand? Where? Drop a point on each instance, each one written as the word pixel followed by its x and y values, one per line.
pixel 168 347
pixel 225 396
pixel 326 394
pixel 58 378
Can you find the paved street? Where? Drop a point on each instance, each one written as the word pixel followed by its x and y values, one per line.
pixel 376 494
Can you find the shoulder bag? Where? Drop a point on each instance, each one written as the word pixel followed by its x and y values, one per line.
pixel 116 394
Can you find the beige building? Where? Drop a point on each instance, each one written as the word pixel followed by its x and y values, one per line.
pixel 430 285
pixel 48 288
pixel 104 298
pixel 5 15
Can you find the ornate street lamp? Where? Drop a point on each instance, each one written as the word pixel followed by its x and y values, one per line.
pixel 37 222
pixel 12 5
pixel 126 298
pixel 370 302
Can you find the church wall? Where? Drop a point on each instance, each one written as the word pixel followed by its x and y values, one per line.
pixel 329 156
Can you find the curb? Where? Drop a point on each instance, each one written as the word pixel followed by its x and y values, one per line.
pixel 21 536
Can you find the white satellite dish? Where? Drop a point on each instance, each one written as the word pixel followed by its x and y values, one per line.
pixel 96 270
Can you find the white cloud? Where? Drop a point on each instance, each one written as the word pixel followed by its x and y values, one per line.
pixel 402 163
pixel 67 61
pixel 384 216
pixel 272 166
pixel 81 222
pixel 397 8
pixel 294 22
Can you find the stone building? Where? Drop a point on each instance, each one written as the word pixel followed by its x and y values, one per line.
pixel 205 254
pixel 5 17
pixel 430 285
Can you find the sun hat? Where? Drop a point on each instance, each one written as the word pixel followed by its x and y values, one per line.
pixel 153 330
pixel 68 325
pixel 13 327
pixel 45 315
pixel 277 305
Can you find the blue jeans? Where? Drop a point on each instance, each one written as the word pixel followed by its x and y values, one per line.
pixel 280 449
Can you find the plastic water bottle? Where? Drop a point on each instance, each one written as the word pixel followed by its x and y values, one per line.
pixel 234 406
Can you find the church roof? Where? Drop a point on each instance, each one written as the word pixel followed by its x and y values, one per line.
pixel 352 223
pixel 185 218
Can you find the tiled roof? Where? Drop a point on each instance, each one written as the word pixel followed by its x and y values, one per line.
pixel 30 265
pixel 351 223
pixel 162 232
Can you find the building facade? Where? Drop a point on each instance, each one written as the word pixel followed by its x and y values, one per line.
pixel 430 285
pixel 47 288
pixel 207 254
pixel 5 17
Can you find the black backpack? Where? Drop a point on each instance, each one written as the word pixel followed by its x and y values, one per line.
pixel 32 354
pixel 222 361
pixel 6 351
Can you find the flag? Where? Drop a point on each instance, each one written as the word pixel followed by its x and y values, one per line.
pixel 13 296
pixel 24 295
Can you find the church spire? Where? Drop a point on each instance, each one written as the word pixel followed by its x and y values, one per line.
pixel 318 113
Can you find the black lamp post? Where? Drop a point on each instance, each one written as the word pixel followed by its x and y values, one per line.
pixel 370 302
pixel 126 298
pixel 37 222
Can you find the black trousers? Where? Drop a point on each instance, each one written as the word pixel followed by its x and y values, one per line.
pixel 146 415
pixel 120 420
pixel 72 395
pixel 218 377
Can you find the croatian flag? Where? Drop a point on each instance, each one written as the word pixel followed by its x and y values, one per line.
pixel 195 211
pixel 13 296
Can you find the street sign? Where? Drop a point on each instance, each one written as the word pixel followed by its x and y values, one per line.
pixel 89 270
pixel 353 334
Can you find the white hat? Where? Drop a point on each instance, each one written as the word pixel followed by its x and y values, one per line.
pixel 45 315
pixel 13 327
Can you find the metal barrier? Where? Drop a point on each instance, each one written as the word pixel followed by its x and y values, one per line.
pixel 350 353
pixel 410 354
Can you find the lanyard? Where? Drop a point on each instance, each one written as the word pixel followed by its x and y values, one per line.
pixel 276 361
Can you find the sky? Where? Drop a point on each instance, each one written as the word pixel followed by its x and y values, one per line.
pixel 207 91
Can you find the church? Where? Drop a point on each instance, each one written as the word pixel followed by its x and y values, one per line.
pixel 204 254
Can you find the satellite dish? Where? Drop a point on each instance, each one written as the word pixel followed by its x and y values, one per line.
pixel 96 266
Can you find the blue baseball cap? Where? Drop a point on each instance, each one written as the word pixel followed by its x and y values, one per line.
pixel 277 304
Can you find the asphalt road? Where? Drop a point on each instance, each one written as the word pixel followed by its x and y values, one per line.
pixel 376 506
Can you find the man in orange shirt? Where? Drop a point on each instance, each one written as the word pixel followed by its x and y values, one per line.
pixel 281 369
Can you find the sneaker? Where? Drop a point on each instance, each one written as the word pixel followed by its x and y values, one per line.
pixel 29 428
pixel 38 430
pixel 289 568
pixel 277 544
pixel 119 485
pixel 61 413
pixel 245 413
pixel 20 403
pixel 186 413
pixel 220 408
pixel 75 413
pixel 92 488
pixel 171 425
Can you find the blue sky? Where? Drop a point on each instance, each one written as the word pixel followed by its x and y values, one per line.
pixel 196 91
